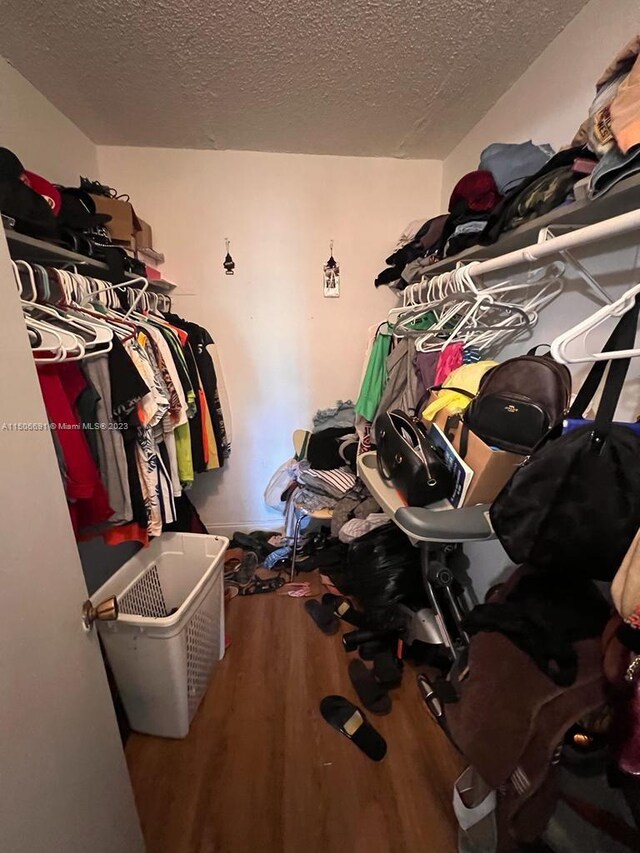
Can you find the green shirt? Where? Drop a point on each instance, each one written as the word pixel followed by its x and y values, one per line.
pixel 375 377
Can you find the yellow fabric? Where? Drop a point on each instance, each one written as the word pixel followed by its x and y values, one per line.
pixel 468 378
pixel 183 453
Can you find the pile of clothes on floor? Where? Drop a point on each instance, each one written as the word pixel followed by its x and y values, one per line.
pixel 518 182
pixel 258 562
pixel 323 477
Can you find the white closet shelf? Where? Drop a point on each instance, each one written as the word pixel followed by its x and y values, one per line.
pixel 25 248
pixel 622 198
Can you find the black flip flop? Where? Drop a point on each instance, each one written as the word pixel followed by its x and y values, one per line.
pixel 372 695
pixel 387 669
pixel 343 609
pixel 352 723
pixel 323 617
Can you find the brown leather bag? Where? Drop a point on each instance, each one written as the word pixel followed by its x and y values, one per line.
pixel 519 401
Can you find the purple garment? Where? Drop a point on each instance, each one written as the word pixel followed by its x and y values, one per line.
pixel 425 364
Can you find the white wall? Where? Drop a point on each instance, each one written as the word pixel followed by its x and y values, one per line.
pixel 44 139
pixel 286 350
pixel 551 99
pixel 547 104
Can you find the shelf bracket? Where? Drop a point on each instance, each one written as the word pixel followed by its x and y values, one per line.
pixel 548 233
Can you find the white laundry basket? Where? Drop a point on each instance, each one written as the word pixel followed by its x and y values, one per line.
pixel 169 634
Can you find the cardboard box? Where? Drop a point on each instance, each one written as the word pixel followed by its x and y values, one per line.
pixel 492 469
pixel 124 223
pixel 144 238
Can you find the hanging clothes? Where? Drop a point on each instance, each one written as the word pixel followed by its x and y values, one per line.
pixel 61 384
pixel 151 409
pixel 199 340
pixel 127 389
pixel 225 405
pixel 402 390
pixel 182 383
pixel 137 418
pixel 375 377
pixel 112 460
pixel 450 358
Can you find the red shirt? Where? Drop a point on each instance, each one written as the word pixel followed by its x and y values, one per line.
pixel 61 384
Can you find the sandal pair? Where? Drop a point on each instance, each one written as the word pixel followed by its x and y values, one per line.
pixel 258 586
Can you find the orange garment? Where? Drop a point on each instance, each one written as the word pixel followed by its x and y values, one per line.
pixel 213 460
pixel 203 419
pixel 131 532
pixel 182 335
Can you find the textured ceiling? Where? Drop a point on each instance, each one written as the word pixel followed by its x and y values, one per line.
pixel 399 78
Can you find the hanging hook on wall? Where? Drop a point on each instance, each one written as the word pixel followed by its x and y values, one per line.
pixel 331 275
pixel 228 263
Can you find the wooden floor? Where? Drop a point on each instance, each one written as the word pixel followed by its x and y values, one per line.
pixel 262 771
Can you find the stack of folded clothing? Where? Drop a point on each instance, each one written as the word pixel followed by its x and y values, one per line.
pixel 511 163
pixel 423 245
pixel 332 483
pixel 472 200
pixel 613 127
pixel 482 200
pixel 537 194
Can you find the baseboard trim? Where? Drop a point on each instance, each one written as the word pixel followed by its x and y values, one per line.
pixel 230 527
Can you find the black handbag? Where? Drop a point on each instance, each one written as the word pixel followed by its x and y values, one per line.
pixel 409 460
pixel 574 505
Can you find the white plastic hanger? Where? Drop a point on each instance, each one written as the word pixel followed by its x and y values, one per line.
pixel 439 291
pixel 32 295
pixel 617 309
pixel 436 338
pixel 110 287
pixel 51 348
pixel 71 346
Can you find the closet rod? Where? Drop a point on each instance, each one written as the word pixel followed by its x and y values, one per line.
pixel 613 227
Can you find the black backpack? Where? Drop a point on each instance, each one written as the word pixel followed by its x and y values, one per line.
pixel 519 401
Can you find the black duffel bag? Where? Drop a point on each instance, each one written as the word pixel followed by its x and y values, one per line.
pixel 409 460
pixel 574 505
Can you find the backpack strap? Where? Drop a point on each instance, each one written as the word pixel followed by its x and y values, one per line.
pixel 622 337
pixel 422 402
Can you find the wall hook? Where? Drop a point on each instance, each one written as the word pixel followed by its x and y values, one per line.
pixel 228 263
